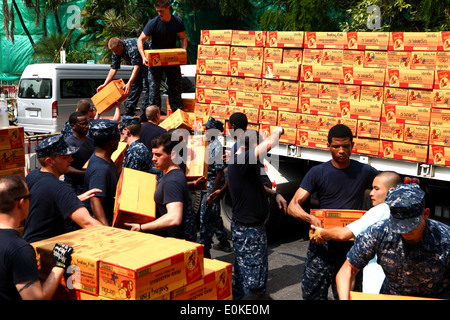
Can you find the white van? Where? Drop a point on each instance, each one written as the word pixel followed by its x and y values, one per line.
pixel 49 92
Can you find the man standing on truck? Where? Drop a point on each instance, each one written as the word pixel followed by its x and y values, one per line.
pixel 128 50
pixel 340 184
pixel 164 30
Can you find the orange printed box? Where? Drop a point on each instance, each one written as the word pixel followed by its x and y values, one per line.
pixel 211 81
pixel 326 107
pixel 442 79
pixel 287 119
pixel 319 73
pixel 201 109
pixel 210 66
pixel 366 146
pixel 353 58
pixel 312 56
pixel 442 60
pixel 12 158
pixel 284 71
pixel 440 136
pixel 105 99
pixel 441 98
pixel 246 68
pixel 420 98
pixel 361 110
pixel 252 85
pixel 166 57
pixel 362 76
pixel 371 94
pixel 398 60
pixel 367 41
pixel 416 134
pixel 245 99
pixel 414 41
pixel 337 213
pixel 280 102
pixel 309 89
pixel 325 40
pixel 219 111
pixel 332 57
pixel 204 95
pixel 12 138
pixel 375 59
pixel 313 139
pixel 439 155
pixel 368 129
pixel 273 55
pixel 423 60
pixel 197 157
pixel 268 116
pixel 247 53
pixel 276 86
pixel 213 52
pixel 440 117
pixel 307 121
pixel 392 131
pixel 404 78
pixel 219 37
pixel 248 38
pixel 445 41
pixel 236 83
pixel 292 55
pixel 289 135
pixel 406 114
pixel 325 123
pixel 349 92
pixel 404 151
pixel 251 113
pixel 328 91
pixel 285 39
pixel 395 96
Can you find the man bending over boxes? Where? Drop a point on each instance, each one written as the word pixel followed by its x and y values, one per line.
pixel 373 275
pixel 340 184
pixel 174 218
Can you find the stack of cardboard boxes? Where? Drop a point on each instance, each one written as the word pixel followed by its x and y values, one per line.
pixel 117 264
pixel 391 89
pixel 12 151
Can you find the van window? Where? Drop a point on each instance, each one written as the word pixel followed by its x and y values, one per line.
pixel 35 88
pixel 80 88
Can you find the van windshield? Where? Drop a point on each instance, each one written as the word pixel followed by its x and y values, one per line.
pixel 79 88
pixel 35 88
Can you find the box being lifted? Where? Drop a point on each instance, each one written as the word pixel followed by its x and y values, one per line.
pixel 166 57
pixel 106 98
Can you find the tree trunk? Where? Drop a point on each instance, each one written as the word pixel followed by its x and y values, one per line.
pixel 23 25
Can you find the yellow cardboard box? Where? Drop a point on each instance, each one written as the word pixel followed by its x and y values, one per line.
pixel 12 158
pixel 372 296
pixel 211 66
pixel 284 71
pixel 287 119
pixel 440 117
pixel 423 60
pixel 273 55
pixel 292 56
pixel 328 91
pixel 314 139
pixel 332 57
pixel 414 41
pixel 312 56
pixel 416 134
pixel 363 76
pixel 396 96
pixel 442 79
pixel 307 121
pixel 366 146
pixel 319 73
pixel 105 99
pixel 12 138
pixel 205 95
pixel 197 157
pixel 420 97
pixel 244 99
pixel 247 53
pixel 440 136
pixel 361 110
pixel 325 107
pixel 248 38
pixel 166 57
pixel 279 102
pixel 350 92
pixel 392 131
pixel 285 39
pixel 367 41
pixel 325 40
pixel 268 116
pixel 405 114
pixel 308 90
pixel 375 59
pixel 132 203
pixel 439 155
pixel 404 151
pixel 441 98
pixel 398 60
pixel 276 86
pixel 246 68
pixel 213 52
pixel 212 81
pixel 353 58
pixel 368 129
pixel 216 37
pixel 371 94
pixel 178 119
pixel 404 78
pixel 325 123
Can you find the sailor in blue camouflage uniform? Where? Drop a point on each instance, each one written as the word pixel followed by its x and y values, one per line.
pixel 137 155
pixel 210 220
pixel 127 49
pixel 413 250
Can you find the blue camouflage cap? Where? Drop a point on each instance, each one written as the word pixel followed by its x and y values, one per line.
pixel 103 127
pixel 54 145
pixel 407 202
pixel 213 124
pixel 128 121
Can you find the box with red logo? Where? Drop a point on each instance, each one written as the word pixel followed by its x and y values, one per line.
pixel 319 73
pixel 442 60
pixel 442 79
pixel 361 110
pixel 366 146
pixel 404 78
pixel 368 129
pixel 307 121
pixel 353 58
pixel 285 39
pixel 284 71
pixel 245 99
pixel 280 102
pixel 325 40
pixel 12 138
pixel 273 55
pixel 420 97
pixel 441 98
pixel 308 89
pixel 440 136
pixel 398 59
pixel 416 134
pixel 362 76
pixel 325 107
pixel 248 38
pixel 219 37
pixel 392 131
pixel 367 40
pixel 395 96
pixel 213 52
pixel 211 66
pixel 211 81
pixel 219 111
pixel 325 123
pixel 247 53
pixel 375 59
pixel 406 114
pixel 423 60
pixel 105 99
pixel 328 91
pixel 246 68
pixel 312 56
pixel 251 113
pixel 166 57
pixel 276 86
pixel 404 151
pixel 349 92
pixel 268 116
pixel 313 139
pixel 332 57
pixel 414 41
pixel 439 155
pixel 287 119
pixel 440 117
pixel 371 94
pixel 205 95
pixel 292 55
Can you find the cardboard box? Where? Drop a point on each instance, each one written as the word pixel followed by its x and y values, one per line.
pixel 132 203
pixel 442 79
pixel 213 52
pixel 12 158
pixel 219 37
pixel 248 38
pixel 329 91
pixel 292 55
pixel 325 123
pixel 166 57
pixel 372 296
pixel 416 134
pixel 368 129
pixel 420 98
pixel 398 60
pixel 367 40
pixel 326 107
pixel 312 56
pixel 219 111
pixel 353 58
pixel 442 60
pixel 273 55
pixel 284 71
pixel 187 104
pixel 361 110
pixel 362 76
pixel 212 81
pixel 325 40
pixel 150 270
pixel 319 73
pixel 106 99
pixel 309 90
pixel 276 86
pixel 12 138
pixel 215 284
pixel 375 59
pixel 289 135
pixel 404 151
pixel 89 246
pixel 371 94
pixel 423 60
pixel 252 85
pixel 205 95
pixel 117 156
pixel 405 114
pixel 246 68
pixel 439 136
pixel 245 99
pixel 285 39
pixel 444 45
pixel 211 66
pixel 404 78
pixel 247 53
pixel 366 146
pixel 236 83
pixel 337 213
pixel 439 155
pixel 287 119
pixel 279 102
pixel 197 157
pixel 440 117
pixel 349 92
pixel 178 119
pixel 414 41
pixel 268 116
pixel 201 110
pixel 313 139
pixel 307 121
pixel 20 171
pixel 397 96
pixel 392 131
pixel 332 57
pixel 441 98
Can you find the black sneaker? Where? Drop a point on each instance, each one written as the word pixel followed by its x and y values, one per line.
pixel 223 246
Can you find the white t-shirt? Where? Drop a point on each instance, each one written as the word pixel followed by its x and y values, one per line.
pixel 373 275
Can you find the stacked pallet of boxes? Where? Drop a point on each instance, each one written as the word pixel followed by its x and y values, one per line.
pixel 12 151
pixel 117 264
pixel 391 89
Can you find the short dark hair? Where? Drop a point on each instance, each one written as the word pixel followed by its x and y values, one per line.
pixel 239 119
pixel 11 187
pixel 84 106
pixel 161 3
pixel 73 118
pixel 166 141
pixel 340 131
pixel 101 140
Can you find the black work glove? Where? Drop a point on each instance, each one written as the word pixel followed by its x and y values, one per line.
pixel 62 255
